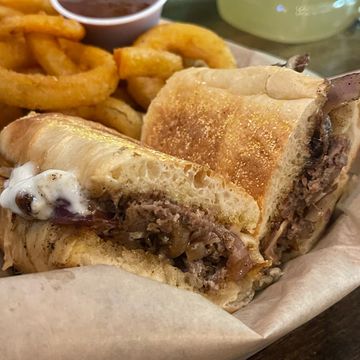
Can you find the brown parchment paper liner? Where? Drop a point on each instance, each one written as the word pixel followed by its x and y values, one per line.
pixel 100 313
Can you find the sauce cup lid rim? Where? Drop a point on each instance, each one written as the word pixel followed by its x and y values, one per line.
pixel 107 21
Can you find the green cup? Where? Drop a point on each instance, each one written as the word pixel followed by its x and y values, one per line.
pixel 290 21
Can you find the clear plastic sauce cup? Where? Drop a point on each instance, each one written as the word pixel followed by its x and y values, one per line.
pixel 118 31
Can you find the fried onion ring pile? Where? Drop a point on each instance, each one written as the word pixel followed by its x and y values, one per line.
pixel 194 44
pixel 44 67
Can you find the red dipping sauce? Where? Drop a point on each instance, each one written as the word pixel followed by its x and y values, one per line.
pixel 105 8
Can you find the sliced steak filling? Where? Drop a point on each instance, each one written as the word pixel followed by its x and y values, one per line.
pixel 191 239
pixel 328 155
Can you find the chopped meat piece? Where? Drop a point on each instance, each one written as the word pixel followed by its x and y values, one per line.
pixel 23 201
pixel 343 89
pixel 206 249
pixel 328 155
pixel 297 62
pixel 192 239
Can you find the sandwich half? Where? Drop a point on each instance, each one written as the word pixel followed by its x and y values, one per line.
pixel 287 138
pixel 76 193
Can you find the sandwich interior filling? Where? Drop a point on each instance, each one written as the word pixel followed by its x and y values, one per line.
pixel 188 238
pixel 308 202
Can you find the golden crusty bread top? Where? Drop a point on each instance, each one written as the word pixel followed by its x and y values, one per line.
pixel 106 162
pixel 249 125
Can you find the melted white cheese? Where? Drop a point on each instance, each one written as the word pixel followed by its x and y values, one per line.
pixel 45 188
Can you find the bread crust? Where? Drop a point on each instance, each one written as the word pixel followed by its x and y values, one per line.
pixel 106 162
pixel 245 124
pixel 253 126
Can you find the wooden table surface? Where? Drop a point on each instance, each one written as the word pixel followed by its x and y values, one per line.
pixel 334 334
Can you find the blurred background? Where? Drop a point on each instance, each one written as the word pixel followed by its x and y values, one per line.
pixel 329 30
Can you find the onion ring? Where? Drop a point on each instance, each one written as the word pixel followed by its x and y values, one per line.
pixel 33 70
pixel 134 61
pixel 15 54
pixel 112 113
pixel 49 92
pixel 46 24
pixel 189 41
pixel 7 11
pixel 29 6
pixel 50 56
pixel 144 89
pixel 122 94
